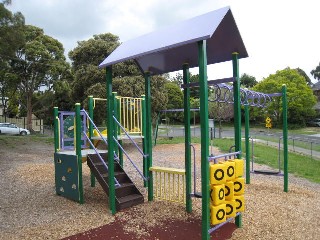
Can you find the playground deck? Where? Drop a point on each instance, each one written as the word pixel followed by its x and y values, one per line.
pixel 30 209
pixel 84 152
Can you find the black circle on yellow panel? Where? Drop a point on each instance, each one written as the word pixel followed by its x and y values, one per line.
pixel 239 188
pixel 230 171
pixel 221 194
pixel 227 190
pixel 240 203
pixel 220 214
pixel 216 174
pixel 229 206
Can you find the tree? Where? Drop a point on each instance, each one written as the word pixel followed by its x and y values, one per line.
pixel 316 72
pixel 59 96
pixel 247 81
pixel 88 55
pixel 300 97
pixel 6 2
pixel 11 32
pixel 303 74
pixel 178 79
pixel 175 96
pixel 11 37
pixel 39 62
pixel 175 100
pixel 194 91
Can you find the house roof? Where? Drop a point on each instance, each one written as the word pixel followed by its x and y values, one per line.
pixel 167 49
pixel 316 86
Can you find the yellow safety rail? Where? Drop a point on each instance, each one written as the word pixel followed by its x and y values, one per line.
pixel 98 99
pixel 130 114
pixel 169 184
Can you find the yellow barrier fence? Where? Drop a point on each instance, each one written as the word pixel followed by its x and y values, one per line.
pixel 131 114
pixel 169 184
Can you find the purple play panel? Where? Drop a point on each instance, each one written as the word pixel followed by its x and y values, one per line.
pixel 167 49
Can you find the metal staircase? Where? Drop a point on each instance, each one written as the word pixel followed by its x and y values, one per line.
pixel 127 194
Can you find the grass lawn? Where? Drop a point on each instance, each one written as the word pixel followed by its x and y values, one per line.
pixel 299 165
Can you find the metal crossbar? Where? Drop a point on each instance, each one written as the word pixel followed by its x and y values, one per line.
pixel 169 184
pixel 211 230
pixel 212 158
pixel 210 82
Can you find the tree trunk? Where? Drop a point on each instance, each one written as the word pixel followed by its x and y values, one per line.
pixel 29 111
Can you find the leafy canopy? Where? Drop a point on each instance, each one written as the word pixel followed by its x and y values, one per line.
pixel 11 38
pixel 85 60
pixel 40 61
pixel 248 81
pixel 300 97
pixel 316 72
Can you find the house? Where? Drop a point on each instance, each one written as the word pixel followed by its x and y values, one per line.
pixel 316 92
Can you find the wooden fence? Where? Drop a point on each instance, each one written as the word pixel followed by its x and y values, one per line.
pixel 37 124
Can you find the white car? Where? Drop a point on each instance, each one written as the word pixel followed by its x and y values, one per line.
pixel 12 129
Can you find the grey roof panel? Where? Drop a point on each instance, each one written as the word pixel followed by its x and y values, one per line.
pixel 167 49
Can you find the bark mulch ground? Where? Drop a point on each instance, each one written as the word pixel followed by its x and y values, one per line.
pixel 30 209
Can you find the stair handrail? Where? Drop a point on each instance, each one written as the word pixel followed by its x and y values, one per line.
pixel 96 128
pixel 101 159
pixel 127 155
pixel 130 138
pixel 100 134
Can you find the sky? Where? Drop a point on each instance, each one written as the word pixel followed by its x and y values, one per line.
pixel 277 33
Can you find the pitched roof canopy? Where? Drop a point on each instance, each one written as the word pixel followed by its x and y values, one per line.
pixel 167 49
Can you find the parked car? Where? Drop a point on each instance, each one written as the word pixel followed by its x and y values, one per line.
pixel 12 129
pixel 314 122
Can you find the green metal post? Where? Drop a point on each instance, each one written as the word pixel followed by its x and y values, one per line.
pixel 90 109
pixel 144 142
pixel 56 129
pixel 187 133
pixel 110 129
pixel 246 110
pixel 237 114
pixel 78 149
pixel 205 187
pixel 148 135
pixel 285 137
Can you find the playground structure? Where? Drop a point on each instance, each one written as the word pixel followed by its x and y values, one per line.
pixel 249 98
pixel 76 139
pixel 157 53
pixel 161 52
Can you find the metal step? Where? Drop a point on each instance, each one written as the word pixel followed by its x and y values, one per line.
pixel 127 194
pixel 129 201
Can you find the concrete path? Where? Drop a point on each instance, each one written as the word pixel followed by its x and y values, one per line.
pixel 313 154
